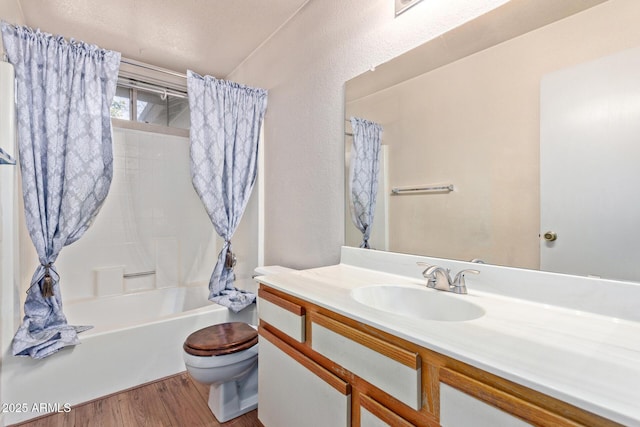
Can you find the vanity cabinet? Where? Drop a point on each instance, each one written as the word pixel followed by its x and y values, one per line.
pixel 313 360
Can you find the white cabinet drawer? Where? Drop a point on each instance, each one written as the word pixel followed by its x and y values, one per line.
pixel 390 368
pixel 282 314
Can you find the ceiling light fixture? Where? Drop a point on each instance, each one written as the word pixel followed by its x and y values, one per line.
pixel 404 5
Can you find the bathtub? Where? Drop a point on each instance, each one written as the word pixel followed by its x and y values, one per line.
pixel 136 338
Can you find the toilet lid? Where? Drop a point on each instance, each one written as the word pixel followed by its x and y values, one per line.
pixel 224 338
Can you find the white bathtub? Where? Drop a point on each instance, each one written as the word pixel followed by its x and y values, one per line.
pixel 108 314
pixel 136 338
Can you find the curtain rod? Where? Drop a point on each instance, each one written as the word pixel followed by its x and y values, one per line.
pixel 162 91
pixel 152 67
pixel 133 62
pixel 423 188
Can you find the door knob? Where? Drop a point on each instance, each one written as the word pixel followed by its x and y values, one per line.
pixel 550 236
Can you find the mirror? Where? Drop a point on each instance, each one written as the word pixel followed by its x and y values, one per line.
pixel 465 110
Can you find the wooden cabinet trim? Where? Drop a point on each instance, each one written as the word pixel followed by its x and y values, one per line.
pixel 431 388
pixel 281 302
pixel 318 370
pixel 407 358
pixel 383 413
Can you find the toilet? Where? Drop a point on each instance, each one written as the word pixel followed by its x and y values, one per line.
pixel 225 356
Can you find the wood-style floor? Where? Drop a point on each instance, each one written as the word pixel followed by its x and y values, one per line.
pixel 176 401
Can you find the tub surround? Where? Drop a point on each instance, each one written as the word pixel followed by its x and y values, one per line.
pixel 574 339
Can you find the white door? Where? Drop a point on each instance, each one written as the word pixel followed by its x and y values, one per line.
pixel 590 168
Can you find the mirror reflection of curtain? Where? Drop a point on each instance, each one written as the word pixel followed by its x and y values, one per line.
pixel 363 174
pixel 225 131
pixel 64 90
pixel 5 158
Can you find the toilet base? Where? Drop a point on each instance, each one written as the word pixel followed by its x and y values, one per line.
pixel 234 398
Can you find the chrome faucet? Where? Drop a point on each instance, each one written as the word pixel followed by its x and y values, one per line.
pixel 439 278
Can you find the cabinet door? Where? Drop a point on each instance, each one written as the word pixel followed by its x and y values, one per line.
pixel 295 391
pixel 458 409
pixel 467 401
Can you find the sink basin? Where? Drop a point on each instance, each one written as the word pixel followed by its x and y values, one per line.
pixel 418 302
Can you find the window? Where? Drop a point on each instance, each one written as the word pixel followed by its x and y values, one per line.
pixel 150 106
pixel 120 104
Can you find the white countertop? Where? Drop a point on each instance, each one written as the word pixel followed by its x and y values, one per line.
pixel 589 360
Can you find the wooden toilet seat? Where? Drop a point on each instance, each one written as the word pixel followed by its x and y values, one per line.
pixel 224 338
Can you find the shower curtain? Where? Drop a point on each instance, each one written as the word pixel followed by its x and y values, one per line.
pixel 64 91
pixel 364 169
pixel 225 130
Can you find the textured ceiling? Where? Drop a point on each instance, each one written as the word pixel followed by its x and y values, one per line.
pixel 207 36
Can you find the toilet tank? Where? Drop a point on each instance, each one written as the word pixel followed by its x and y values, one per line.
pixel 271 269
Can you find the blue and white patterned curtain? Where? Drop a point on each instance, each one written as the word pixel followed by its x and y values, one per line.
pixel 364 167
pixel 225 131
pixel 64 136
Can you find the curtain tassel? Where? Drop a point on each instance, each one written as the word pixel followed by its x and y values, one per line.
pixel 47 283
pixel 230 259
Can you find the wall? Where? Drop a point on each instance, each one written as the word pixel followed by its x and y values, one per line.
pixel 8 215
pixel 304 66
pixel 475 123
pixel 9 11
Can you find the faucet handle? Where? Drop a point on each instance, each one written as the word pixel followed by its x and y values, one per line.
pixel 424 264
pixel 459 285
pixel 430 268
